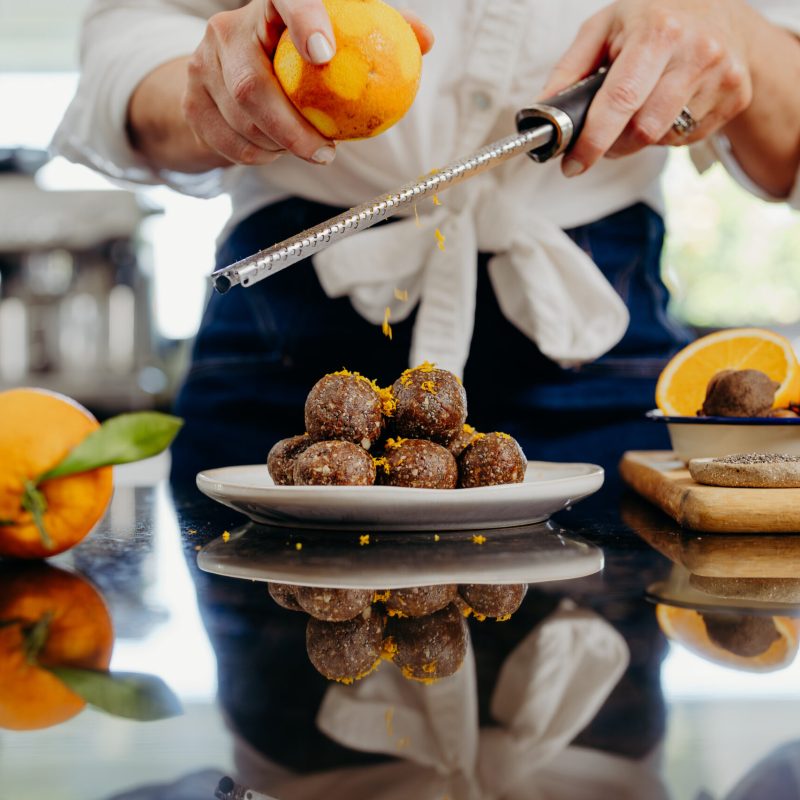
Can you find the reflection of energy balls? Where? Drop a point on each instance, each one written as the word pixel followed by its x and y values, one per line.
pixel 281 458
pixel 334 464
pixel 491 460
pixel 344 406
pixel 417 463
pixel 345 651
pixel 420 600
pixel 284 594
pixel 431 404
pixel 333 605
pixel 739 393
pixel 492 600
pixel 430 647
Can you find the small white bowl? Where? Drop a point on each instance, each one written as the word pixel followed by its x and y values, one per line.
pixel 713 437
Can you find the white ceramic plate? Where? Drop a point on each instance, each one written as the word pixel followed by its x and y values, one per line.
pixel 547 488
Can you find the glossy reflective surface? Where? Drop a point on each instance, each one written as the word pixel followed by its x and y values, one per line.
pixel 578 695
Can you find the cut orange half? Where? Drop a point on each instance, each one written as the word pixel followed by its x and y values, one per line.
pixel 681 388
pixel 686 626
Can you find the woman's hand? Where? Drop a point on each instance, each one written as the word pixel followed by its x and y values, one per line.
pixel 664 57
pixel 233 102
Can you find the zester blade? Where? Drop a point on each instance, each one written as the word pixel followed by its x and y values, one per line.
pixel 267 262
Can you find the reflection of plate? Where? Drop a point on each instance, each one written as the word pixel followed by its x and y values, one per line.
pixel 528 554
pixel 547 488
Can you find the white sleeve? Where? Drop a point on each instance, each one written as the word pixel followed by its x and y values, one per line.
pixel 122 41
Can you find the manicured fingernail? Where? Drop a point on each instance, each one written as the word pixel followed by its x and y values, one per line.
pixel 319 48
pixel 572 167
pixel 324 155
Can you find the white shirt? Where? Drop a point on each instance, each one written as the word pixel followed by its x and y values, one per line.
pixel 490 59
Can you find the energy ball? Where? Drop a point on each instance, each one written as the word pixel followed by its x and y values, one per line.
pixel 491 600
pixel 280 461
pixel 741 634
pixel 284 594
pixel 420 600
pixel 345 651
pixel 417 463
pixel 464 437
pixel 345 406
pixel 431 404
pixel 739 393
pixel 333 605
pixel 490 460
pixel 432 647
pixel 334 464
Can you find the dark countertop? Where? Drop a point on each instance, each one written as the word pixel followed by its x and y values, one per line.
pixel 669 723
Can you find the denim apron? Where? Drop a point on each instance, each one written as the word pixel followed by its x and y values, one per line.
pixel 259 351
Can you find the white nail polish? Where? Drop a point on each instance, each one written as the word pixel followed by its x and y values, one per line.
pixel 324 155
pixel 572 167
pixel 319 48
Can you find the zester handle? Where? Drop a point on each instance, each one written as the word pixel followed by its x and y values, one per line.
pixel 566 112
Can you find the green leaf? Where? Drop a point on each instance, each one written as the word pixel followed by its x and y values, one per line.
pixel 36 637
pixel 36 503
pixel 122 694
pixel 119 440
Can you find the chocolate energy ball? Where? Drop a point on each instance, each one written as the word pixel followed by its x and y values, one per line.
pixel 284 594
pixel 417 463
pixel 281 458
pixel 344 406
pixel 333 605
pixel 492 600
pixel 334 464
pixel 463 438
pixel 432 647
pixel 739 393
pixel 741 634
pixel 490 460
pixel 420 600
pixel 431 404
pixel 345 651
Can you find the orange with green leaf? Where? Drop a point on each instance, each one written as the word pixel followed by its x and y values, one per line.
pixel 55 467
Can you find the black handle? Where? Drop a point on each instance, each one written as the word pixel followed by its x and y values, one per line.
pixel 566 112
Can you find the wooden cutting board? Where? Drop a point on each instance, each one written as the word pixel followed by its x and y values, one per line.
pixel 665 481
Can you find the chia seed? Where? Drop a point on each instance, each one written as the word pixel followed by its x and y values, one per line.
pixel 758 458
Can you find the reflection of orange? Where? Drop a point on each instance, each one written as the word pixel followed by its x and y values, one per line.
pixel 38 429
pixel 686 626
pixel 682 385
pixel 371 81
pixel 79 635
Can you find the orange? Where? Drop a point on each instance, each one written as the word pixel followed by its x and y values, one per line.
pixel 681 388
pixel 371 81
pixel 685 625
pixel 77 633
pixel 38 429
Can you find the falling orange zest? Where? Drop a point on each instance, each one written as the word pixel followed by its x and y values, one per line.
pixel 401 294
pixel 386 327
pixel 440 239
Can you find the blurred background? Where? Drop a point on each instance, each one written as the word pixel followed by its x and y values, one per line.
pixel 102 302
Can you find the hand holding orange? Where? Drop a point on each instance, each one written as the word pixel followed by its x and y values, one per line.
pixel 370 82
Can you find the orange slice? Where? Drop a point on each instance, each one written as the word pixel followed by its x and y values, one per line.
pixel 686 626
pixel 682 385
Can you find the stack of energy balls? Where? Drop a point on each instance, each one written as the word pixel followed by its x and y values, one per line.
pixel 413 434
pixel 422 630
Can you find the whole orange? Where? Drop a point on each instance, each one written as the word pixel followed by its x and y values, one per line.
pixel 371 81
pixel 38 429
pixel 77 632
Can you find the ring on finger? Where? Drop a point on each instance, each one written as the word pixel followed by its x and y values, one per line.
pixel 684 123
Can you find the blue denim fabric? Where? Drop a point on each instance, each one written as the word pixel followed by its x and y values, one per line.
pixel 259 351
